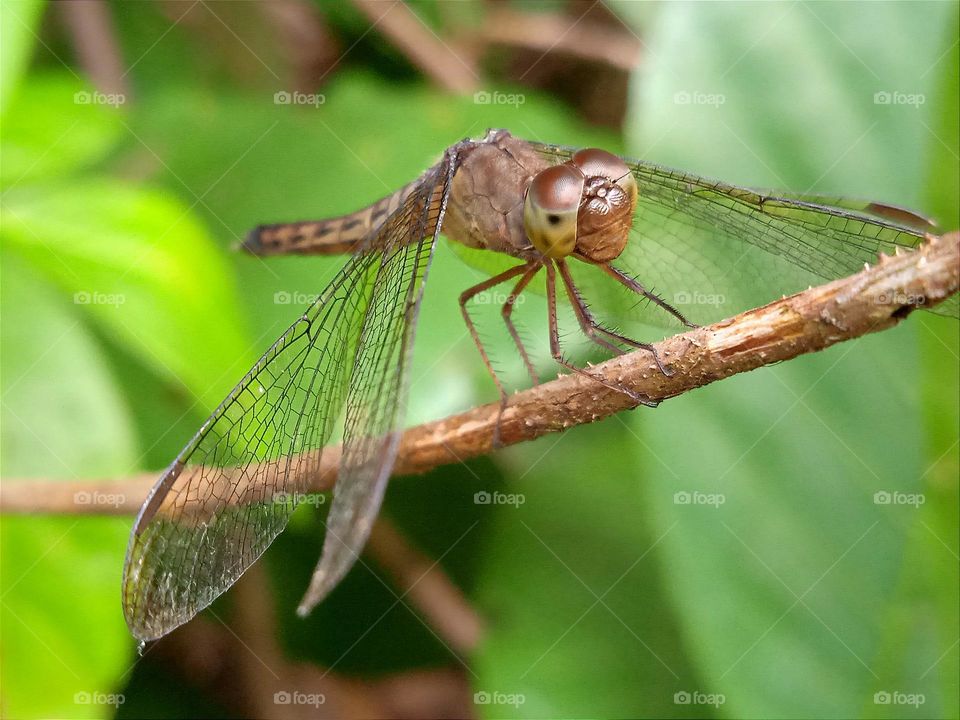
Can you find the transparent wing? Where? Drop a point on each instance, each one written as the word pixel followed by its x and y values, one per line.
pixel 714 249
pixel 233 488
pixel 380 381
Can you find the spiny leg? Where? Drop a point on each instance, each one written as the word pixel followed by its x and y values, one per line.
pixel 627 281
pixel 591 327
pixel 558 355
pixel 465 297
pixel 588 324
pixel 507 311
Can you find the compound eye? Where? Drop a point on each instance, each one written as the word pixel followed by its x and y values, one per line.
pixel 594 162
pixel 550 210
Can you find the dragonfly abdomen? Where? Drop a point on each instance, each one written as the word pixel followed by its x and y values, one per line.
pixel 331 236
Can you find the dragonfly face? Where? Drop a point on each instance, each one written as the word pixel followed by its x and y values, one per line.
pixel 583 206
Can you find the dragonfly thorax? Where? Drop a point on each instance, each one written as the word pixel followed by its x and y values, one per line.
pixel 584 206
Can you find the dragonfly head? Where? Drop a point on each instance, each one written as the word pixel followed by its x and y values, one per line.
pixel 584 205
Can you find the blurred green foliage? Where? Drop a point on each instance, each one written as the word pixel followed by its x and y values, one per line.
pixel 126 318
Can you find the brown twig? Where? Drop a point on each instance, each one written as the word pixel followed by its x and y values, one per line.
pixel 303 40
pixel 448 67
pixel 94 38
pixel 874 299
pixel 554 32
pixel 237 661
pixel 427 586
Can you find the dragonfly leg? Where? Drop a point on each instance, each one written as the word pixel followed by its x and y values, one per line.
pixel 593 329
pixel 588 323
pixel 627 281
pixel 465 297
pixel 557 354
pixel 507 311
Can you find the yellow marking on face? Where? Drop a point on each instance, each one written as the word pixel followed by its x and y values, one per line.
pixel 550 210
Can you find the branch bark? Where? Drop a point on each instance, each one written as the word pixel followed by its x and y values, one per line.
pixel 872 300
pixel 554 32
pixel 450 68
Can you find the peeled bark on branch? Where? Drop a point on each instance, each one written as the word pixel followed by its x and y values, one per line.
pixel 874 299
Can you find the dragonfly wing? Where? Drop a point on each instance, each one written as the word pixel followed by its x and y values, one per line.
pixel 232 489
pixel 878 211
pixel 380 381
pixel 714 249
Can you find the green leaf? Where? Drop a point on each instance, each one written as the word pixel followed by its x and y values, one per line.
pixel 796 593
pixel 581 625
pixel 943 141
pixel 55 126
pixel 141 268
pixel 787 581
pixel 19 22
pixel 793 98
pixel 931 578
pixel 62 416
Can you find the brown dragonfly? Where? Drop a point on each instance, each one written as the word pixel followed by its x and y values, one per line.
pixel 516 208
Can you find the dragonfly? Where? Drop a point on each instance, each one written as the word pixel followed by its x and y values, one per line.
pixel 516 209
